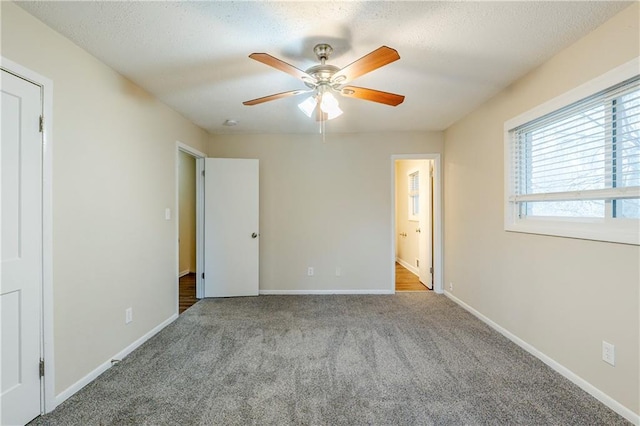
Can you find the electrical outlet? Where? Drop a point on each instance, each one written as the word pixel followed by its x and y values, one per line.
pixel 338 271
pixel 450 286
pixel 310 271
pixel 608 353
pixel 128 315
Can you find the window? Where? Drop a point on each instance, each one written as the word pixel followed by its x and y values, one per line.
pixel 414 195
pixel 573 166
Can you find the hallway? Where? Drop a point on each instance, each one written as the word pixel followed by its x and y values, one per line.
pixel 407 281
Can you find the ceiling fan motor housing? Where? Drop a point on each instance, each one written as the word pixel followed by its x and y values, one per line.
pixel 321 75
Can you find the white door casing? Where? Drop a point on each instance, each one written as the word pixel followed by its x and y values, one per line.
pixel 437 257
pixel 424 224
pixel 231 248
pixel 199 179
pixel 21 252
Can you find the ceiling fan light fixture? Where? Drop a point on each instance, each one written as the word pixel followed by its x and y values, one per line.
pixel 308 105
pixel 329 105
pixel 335 113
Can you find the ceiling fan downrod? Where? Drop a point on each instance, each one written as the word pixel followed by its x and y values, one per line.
pixel 321 74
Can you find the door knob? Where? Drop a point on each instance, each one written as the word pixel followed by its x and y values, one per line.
pixel 254 235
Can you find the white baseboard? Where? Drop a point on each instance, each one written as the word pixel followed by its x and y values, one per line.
pixel 302 292
pixel 62 396
pixel 408 266
pixel 573 377
pixel 183 273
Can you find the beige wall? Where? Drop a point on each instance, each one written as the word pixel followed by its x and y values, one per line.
pixel 114 157
pixel 325 205
pixel 563 296
pixel 187 209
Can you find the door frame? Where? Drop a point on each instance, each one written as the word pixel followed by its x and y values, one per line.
pixel 437 242
pixel 199 157
pixel 47 383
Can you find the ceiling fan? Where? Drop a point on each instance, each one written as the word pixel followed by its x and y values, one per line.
pixel 325 80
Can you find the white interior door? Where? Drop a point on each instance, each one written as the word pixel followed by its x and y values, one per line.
pixel 424 236
pixel 231 227
pixel 21 252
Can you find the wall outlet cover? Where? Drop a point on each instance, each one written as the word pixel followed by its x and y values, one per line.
pixel 608 353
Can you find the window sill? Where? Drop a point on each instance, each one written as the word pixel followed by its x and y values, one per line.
pixel 624 231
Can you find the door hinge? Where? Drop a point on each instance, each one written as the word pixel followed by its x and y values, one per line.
pixel 42 368
pixel 203 173
pixel 203 275
pixel 431 270
pixel 41 124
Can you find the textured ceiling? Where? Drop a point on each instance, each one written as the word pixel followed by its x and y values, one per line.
pixel 193 55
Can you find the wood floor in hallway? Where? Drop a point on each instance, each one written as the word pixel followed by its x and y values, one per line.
pixel 187 292
pixel 407 281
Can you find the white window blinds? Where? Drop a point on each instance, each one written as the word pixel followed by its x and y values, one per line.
pixel 573 161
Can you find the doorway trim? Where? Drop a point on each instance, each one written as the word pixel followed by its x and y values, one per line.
pixel 47 383
pixel 199 156
pixel 437 218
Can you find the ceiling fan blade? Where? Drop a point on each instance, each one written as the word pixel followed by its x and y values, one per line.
pixel 276 63
pixel 380 57
pixel 372 95
pixel 274 97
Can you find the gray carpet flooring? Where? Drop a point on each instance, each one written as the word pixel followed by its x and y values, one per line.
pixel 330 360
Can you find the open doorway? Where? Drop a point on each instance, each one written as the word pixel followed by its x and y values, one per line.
pixel 186 231
pixel 189 166
pixel 414 247
pixel 416 225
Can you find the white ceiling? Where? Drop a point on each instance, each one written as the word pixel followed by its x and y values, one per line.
pixel 193 55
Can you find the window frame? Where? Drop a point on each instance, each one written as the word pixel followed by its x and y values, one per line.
pixel 617 230
pixel 413 197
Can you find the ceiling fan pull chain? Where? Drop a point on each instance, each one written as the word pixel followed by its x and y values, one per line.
pixel 324 133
